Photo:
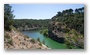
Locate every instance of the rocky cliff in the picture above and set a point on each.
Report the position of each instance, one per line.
(55, 31)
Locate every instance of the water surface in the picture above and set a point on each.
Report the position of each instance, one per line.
(49, 42)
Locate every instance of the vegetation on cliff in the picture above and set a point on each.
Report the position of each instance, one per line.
(71, 24)
(73, 19)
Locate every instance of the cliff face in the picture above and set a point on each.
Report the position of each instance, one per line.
(55, 37)
(16, 40)
(55, 32)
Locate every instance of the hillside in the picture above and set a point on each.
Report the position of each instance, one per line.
(16, 40)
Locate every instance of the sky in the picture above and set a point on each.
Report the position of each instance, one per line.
(40, 11)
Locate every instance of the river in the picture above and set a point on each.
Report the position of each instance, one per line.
(49, 42)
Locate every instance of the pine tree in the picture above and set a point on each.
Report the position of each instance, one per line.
(8, 17)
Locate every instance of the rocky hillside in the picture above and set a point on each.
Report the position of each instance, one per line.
(16, 40)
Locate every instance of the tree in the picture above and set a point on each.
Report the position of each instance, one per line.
(70, 11)
(59, 14)
(8, 17)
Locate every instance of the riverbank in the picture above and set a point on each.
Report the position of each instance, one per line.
(16, 40)
(47, 41)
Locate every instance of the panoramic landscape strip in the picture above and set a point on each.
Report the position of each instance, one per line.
(64, 30)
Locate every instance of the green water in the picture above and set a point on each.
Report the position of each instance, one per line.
(49, 42)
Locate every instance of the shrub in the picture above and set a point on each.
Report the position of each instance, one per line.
(6, 27)
(40, 44)
(10, 41)
(38, 39)
(27, 36)
(44, 32)
(6, 36)
(33, 40)
(12, 27)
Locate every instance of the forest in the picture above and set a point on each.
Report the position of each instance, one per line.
(30, 24)
(65, 27)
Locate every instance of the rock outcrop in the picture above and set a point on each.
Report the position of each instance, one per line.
(55, 32)
(57, 37)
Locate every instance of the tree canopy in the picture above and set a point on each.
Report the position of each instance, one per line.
(74, 19)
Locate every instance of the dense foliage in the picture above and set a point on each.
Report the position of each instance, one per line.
(8, 17)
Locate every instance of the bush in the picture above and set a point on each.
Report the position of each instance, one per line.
(12, 27)
(38, 39)
(6, 27)
(44, 32)
(33, 40)
(6, 36)
(10, 41)
(40, 44)
(27, 36)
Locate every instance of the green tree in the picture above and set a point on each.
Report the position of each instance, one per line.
(8, 17)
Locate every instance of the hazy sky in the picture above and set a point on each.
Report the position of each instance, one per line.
(40, 11)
